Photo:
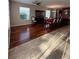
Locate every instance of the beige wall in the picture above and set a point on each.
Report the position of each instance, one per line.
(15, 19)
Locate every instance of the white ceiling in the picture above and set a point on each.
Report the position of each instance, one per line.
(48, 3)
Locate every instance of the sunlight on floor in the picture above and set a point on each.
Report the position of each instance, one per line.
(43, 47)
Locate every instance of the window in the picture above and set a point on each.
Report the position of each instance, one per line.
(24, 13)
(48, 13)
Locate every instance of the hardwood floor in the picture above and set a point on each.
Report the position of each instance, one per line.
(22, 34)
(53, 45)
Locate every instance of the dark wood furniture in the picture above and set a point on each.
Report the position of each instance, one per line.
(39, 16)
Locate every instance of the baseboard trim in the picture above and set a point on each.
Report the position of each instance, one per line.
(20, 25)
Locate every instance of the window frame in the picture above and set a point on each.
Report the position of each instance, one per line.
(46, 13)
(27, 17)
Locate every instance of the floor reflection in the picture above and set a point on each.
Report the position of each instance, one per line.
(48, 46)
(25, 35)
(22, 34)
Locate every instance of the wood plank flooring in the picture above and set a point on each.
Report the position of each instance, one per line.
(49, 46)
(23, 34)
